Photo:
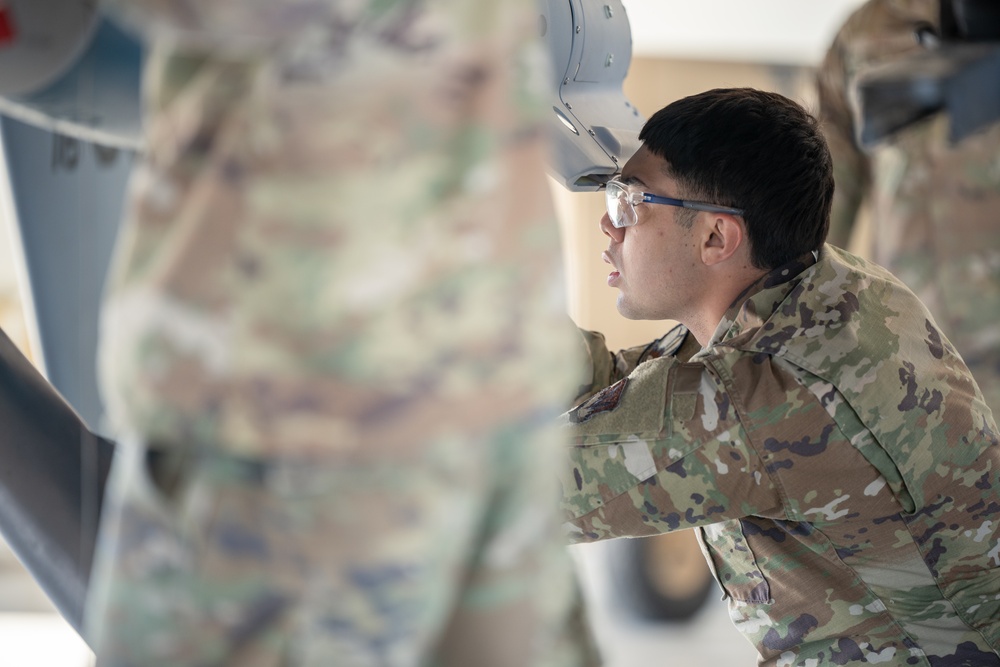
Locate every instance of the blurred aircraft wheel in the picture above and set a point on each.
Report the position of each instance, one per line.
(662, 578)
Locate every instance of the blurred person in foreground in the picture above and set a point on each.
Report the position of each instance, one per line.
(933, 202)
(807, 416)
(334, 344)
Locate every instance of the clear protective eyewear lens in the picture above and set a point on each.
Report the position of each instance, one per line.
(620, 209)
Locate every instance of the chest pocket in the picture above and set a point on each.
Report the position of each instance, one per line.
(733, 562)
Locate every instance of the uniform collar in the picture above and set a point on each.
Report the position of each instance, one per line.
(759, 300)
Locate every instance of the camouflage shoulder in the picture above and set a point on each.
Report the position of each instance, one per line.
(667, 345)
(632, 407)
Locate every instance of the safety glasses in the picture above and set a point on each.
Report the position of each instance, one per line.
(621, 201)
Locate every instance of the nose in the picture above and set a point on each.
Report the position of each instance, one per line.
(612, 232)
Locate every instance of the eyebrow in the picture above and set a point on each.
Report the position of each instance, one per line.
(635, 180)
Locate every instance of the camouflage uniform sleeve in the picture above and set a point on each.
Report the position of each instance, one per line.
(660, 450)
(850, 165)
(607, 368)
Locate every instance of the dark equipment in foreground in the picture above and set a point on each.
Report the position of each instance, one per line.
(52, 479)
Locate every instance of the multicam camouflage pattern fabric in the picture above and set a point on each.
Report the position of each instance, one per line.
(837, 457)
(933, 203)
(335, 326)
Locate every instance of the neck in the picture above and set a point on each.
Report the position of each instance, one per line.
(718, 299)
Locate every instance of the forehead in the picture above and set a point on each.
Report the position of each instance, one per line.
(647, 170)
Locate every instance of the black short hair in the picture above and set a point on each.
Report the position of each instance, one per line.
(754, 150)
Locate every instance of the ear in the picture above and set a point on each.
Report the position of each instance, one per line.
(723, 236)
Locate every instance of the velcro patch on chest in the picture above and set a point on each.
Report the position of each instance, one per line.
(605, 400)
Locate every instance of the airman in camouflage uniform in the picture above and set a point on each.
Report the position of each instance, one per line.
(827, 441)
(335, 345)
(933, 202)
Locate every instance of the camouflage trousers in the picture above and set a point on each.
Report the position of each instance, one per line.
(206, 559)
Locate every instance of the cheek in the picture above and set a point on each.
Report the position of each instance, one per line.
(650, 256)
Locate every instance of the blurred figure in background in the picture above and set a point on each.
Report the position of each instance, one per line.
(334, 344)
(933, 203)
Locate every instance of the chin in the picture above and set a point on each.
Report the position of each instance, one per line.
(632, 311)
(629, 311)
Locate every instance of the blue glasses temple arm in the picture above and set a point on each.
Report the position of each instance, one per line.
(697, 206)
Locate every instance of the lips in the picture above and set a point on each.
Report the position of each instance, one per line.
(614, 276)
